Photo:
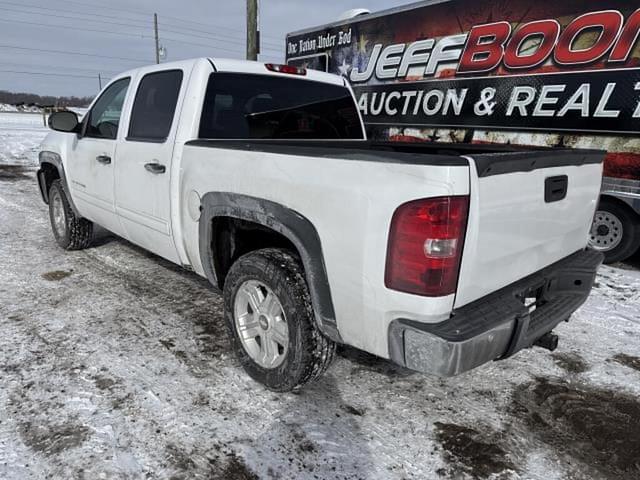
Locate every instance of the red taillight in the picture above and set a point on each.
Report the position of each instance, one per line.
(425, 246)
(291, 70)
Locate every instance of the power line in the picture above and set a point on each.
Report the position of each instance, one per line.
(146, 26)
(75, 12)
(137, 61)
(50, 74)
(176, 40)
(234, 30)
(140, 36)
(26, 12)
(47, 25)
(208, 35)
(210, 25)
(87, 4)
(67, 52)
(160, 14)
(41, 65)
(213, 47)
(219, 39)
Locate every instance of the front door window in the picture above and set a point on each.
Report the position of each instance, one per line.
(104, 117)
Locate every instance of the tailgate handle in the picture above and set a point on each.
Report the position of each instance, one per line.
(555, 188)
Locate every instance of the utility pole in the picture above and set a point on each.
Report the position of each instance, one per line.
(155, 32)
(100, 82)
(253, 36)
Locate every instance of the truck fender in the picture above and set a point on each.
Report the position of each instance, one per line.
(285, 221)
(51, 160)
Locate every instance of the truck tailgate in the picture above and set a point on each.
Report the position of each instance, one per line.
(527, 211)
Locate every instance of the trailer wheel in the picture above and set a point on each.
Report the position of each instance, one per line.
(615, 231)
(271, 322)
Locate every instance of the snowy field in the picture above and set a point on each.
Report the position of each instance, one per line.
(20, 135)
(114, 365)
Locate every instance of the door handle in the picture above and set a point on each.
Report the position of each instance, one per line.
(155, 168)
(103, 159)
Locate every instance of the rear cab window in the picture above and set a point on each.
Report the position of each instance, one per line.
(154, 107)
(248, 106)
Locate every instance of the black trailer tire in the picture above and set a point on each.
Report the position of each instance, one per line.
(615, 231)
(303, 353)
(70, 231)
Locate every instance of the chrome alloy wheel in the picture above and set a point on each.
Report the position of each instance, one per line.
(606, 231)
(261, 325)
(59, 215)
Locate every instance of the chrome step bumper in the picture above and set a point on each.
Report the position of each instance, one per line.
(498, 325)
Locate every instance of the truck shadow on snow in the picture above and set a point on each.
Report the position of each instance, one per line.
(185, 294)
(316, 433)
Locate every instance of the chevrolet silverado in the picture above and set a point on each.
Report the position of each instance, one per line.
(260, 178)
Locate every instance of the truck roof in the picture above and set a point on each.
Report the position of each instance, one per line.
(246, 66)
(237, 66)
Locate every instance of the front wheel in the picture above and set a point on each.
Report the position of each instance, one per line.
(70, 231)
(615, 231)
(271, 322)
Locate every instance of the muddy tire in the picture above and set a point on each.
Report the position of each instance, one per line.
(615, 231)
(271, 322)
(70, 231)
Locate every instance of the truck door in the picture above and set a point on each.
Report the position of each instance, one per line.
(143, 173)
(92, 158)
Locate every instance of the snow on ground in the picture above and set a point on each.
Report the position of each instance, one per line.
(20, 135)
(114, 364)
(4, 107)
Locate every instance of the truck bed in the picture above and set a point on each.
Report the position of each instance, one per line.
(490, 159)
(349, 191)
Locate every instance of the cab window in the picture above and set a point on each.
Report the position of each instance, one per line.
(104, 117)
(155, 106)
(241, 106)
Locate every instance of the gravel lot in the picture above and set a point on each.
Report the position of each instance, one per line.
(114, 364)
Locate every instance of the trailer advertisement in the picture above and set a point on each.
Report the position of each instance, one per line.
(560, 74)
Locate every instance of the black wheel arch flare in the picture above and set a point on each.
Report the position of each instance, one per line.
(285, 221)
(53, 161)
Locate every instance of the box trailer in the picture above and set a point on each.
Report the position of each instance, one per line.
(559, 74)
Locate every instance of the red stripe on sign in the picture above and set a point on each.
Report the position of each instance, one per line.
(407, 139)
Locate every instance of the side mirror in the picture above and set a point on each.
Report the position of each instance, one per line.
(65, 121)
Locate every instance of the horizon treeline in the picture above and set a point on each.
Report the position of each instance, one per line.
(14, 98)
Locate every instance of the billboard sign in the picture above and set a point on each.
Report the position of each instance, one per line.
(519, 71)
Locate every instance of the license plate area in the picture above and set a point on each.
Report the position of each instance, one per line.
(534, 297)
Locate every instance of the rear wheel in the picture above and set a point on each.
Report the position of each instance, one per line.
(271, 322)
(70, 231)
(615, 231)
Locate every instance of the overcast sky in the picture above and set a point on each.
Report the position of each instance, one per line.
(33, 33)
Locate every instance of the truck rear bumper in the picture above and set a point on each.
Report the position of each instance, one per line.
(498, 325)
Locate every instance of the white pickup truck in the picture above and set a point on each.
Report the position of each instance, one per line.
(260, 178)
